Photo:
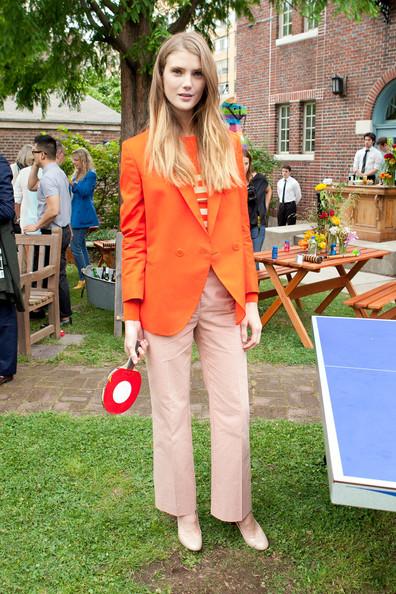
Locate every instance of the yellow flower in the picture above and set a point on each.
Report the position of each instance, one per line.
(335, 220)
(322, 245)
(320, 187)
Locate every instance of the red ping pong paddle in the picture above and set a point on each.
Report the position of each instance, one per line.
(122, 388)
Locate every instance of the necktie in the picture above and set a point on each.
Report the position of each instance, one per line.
(364, 160)
(284, 190)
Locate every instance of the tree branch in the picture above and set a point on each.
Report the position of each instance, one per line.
(106, 31)
(101, 16)
(92, 21)
(111, 6)
(184, 18)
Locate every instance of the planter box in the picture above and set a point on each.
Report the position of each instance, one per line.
(100, 293)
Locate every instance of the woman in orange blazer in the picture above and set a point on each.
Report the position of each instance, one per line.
(188, 274)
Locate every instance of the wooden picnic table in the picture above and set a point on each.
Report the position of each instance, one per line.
(295, 290)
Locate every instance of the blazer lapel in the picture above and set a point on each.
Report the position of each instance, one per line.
(213, 209)
(213, 206)
(190, 197)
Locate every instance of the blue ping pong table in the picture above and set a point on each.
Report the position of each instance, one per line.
(357, 372)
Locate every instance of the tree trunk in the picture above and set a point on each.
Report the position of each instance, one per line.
(135, 86)
(135, 82)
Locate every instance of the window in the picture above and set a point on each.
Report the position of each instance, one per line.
(310, 23)
(221, 44)
(283, 128)
(309, 127)
(285, 20)
(222, 68)
(391, 109)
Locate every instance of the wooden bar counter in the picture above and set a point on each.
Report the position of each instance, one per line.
(374, 213)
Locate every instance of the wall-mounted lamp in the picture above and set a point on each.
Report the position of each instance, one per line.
(338, 85)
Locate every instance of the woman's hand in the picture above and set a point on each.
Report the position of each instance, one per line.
(252, 321)
(134, 333)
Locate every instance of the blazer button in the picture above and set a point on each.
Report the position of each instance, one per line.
(235, 246)
(179, 253)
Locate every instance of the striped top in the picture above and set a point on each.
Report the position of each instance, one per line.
(201, 192)
(202, 197)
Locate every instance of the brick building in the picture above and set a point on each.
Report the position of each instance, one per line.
(95, 121)
(225, 56)
(285, 67)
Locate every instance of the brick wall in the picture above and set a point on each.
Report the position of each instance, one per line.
(269, 75)
(11, 139)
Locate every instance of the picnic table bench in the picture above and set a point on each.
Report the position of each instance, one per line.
(375, 300)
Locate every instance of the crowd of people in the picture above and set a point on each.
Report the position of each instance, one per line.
(368, 163)
(43, 197)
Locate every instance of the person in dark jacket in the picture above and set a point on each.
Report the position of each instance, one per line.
(83, 210)
(10, 292)
(259, 198)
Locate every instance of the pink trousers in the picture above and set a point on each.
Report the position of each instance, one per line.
(224, 367)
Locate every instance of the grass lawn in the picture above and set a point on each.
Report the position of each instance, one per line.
(279, 343)
(77, 516)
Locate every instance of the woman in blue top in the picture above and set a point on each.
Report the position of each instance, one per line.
(83, 214)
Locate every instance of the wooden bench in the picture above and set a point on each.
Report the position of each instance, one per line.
(40, 285)
(374, 301)
(106, 251)
(281, 271)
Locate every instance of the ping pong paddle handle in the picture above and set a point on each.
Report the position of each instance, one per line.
(130, 364)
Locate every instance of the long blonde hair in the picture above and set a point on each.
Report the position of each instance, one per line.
(85, 158)
(165, 151)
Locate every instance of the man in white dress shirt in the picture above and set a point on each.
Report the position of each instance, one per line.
(289, 194)
(368, 160)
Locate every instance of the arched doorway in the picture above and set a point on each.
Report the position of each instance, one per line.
(384, 113)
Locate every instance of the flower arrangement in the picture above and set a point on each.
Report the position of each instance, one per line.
(386, 178)
(388, 175)
(345, 236)
(313, 241)
(328, 226)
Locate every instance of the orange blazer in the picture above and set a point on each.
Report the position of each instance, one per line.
(167, 252)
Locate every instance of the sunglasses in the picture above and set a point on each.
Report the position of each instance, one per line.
(39, 152)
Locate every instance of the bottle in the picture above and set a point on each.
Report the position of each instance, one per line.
(274, 252)
(113, 274)
(287, 245)
(351, 177)
(105, 273)
(312, 246)
(95, 272)
(1, 265)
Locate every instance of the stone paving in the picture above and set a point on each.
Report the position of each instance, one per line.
(276, 391)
